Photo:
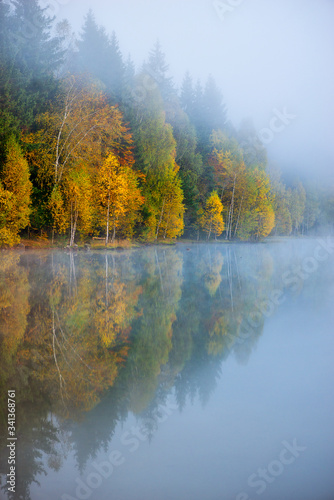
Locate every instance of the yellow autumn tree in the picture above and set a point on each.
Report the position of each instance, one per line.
(116, 306)
(8, 237)
(118, 196)
(80, 127)
(78, 201)
(258, 217)
(15, 192)
(229, 171)
(210, 218)
(14, 309)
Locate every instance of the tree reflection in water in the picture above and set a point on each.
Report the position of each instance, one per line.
(87, 338)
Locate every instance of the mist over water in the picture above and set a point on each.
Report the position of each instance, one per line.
(200, 371)
(189, 362)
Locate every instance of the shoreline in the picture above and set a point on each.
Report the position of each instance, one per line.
(121, 245)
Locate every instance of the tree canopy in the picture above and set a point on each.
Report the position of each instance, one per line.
(92, 146)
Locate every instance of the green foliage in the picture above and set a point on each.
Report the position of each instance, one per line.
(181, 146)
(99, 55)
(29, 55)
(210, 218)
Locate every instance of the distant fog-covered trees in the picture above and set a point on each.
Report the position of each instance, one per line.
(91, 146)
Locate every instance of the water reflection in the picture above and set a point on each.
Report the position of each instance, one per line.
(87, 338)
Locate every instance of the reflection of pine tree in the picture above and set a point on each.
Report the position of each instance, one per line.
(37, 436)
(152, 333)
(186, 320)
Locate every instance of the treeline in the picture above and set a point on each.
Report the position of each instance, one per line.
(92, 147)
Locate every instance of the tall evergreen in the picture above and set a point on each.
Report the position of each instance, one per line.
(116, 67)
(93, 46)
(100, 56)
(29, 56)
(187, 95)
(157, 68)
(38, 53)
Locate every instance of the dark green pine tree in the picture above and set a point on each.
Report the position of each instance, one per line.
(197, 112)
(9, 121)
(205, 109)
(191, 168)
(128, 83)
(38, 53)
(188, 159)
(29, 55)
(100, 56)
(255, 153)
(187, 95)
(157, 68)
(93, 46)
(214, 109)
(116, 67)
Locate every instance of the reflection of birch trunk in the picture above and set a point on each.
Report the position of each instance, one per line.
(107, 272)
(62, 382)
(72, 273)
(230, 278)
(108, 214)
(66, 345)
(113, 267)
(237, 268)
(159, 269)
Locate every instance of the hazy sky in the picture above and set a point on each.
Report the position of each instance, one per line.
(269, 57)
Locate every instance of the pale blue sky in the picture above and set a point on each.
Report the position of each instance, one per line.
(265, 55)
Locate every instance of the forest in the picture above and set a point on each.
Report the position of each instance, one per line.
(93, 147)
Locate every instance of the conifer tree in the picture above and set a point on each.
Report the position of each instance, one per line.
(157, 68)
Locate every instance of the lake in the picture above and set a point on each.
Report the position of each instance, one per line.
(169, 372)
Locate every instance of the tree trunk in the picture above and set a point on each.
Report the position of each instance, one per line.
(160, 219)
(107, 231)
(74, 219)
(209, 233)
(238, 219)
(232, 208)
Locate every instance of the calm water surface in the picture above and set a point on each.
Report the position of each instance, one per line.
(170, 373)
